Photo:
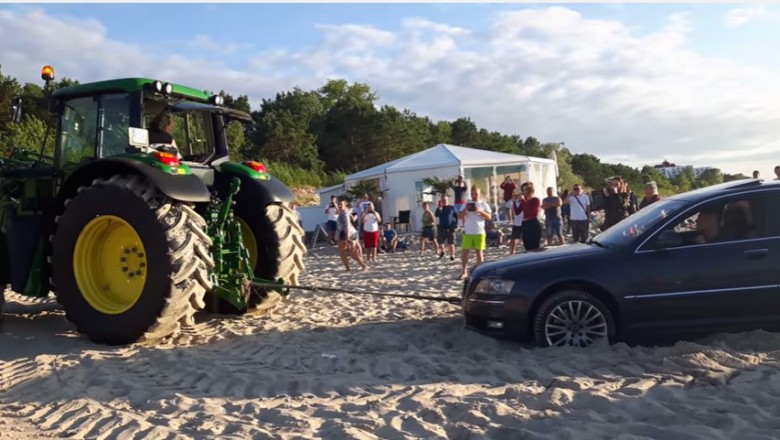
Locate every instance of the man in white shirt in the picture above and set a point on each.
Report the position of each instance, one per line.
(579, 220)
(332, 211)
(473, 215)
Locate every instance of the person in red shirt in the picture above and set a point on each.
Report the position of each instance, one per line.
(508, 186)
(529, 209)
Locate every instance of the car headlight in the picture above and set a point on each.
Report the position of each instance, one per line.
(501, 287)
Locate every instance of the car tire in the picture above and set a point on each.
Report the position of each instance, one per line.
(573, 318)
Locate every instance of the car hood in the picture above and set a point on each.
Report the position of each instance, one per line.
(531, 259)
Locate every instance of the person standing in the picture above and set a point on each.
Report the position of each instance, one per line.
(473, 215)
(428, 221)
(777, 172)
(552, 217)
(448, 222)
(371, 221)
(517, 221)
(529, 209)
(332, 211)
(459, 187)
(616, 202)
(348, 237)
(651, 194)
(508, 186)
(579, 205)
(565, 212)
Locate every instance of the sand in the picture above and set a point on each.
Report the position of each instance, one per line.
(341, 366)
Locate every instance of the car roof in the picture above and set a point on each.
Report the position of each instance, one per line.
(708, 192)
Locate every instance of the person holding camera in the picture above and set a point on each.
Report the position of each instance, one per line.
(459, 187)
(616, 202)
(508, 186)
(332, 211)
(371, 221)
(473, 216)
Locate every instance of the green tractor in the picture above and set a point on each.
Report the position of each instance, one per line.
(140, 218)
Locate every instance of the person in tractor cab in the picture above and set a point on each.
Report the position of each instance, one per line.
(160, 130)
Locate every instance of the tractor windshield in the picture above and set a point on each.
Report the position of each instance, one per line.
(190, 131)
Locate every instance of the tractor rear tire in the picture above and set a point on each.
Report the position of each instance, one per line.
(128, 263)
(277, 247)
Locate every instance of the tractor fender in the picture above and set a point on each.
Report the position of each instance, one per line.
(185, 188)
(261, 192)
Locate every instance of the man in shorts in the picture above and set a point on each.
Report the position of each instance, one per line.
(448, 222)
(473, 215)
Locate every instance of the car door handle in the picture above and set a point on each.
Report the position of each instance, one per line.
(756, 253)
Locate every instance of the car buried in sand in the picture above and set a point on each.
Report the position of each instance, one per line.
(700, 262)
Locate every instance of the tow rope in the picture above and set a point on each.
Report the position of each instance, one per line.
(279, 286)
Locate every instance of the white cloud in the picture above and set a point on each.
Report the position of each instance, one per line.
(739, 16)
(551, 73)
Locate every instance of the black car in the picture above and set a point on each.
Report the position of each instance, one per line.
(701, 262)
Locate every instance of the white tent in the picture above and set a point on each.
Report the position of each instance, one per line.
(402, 179)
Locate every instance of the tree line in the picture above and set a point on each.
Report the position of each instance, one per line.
(316, 137)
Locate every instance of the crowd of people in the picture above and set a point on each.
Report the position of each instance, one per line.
(569, 212)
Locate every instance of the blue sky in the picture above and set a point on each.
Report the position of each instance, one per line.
(636, 83)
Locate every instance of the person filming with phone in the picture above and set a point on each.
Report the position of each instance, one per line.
(473, 216)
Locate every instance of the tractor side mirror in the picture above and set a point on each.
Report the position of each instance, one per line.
(16, 110)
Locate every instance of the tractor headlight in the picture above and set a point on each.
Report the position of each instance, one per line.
(168, 88)
(158, 86)
(217, 99)
(494, 286)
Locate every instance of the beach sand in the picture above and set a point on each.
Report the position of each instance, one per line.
(324, 365)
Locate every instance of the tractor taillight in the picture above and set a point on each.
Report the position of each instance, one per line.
(169, 159)
(47, 73)
(257, 166)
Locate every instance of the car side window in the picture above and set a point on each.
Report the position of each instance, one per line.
(724, 220)
(773, 214)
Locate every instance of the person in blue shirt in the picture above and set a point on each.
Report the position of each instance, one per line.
(448, 222)
(389, 238)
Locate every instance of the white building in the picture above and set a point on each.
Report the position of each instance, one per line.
(671, 170)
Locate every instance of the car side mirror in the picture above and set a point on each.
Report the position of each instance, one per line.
(668, 239)
(16, 110)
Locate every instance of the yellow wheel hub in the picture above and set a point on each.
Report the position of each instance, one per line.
(250, 243)
(110, 264)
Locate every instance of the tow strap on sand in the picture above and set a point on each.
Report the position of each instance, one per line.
(457, 300)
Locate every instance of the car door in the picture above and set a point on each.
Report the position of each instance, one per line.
(730, 281)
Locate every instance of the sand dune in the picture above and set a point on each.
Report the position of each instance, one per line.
(325, 365)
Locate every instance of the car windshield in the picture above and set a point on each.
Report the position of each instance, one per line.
(636, 225)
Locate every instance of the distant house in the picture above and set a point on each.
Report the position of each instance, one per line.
(671, 170)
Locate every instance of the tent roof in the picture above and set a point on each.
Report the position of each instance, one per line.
(444, 155)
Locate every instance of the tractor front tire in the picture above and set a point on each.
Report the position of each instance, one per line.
(276, 245)
(128, 263)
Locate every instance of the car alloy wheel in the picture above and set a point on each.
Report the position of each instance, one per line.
(573, 318)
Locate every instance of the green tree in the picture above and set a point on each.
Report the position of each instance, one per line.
(283, 129)
(347, 127)
(590, 168)
(440, 186)
(464, 133)
(710, 176)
